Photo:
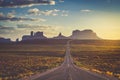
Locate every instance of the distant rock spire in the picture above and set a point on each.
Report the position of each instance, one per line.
(17, 40)
(60, 34)
(32, 33)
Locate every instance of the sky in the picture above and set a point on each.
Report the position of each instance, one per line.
(19, 17)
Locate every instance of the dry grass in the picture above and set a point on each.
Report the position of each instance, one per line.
(99, 58)
(18, 61)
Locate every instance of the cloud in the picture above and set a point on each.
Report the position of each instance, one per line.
(50, 12)
(12, 17)
(41, 20)
(9, 15)
(64, 13)
(33, 11)
(33, 27)
(38, 27)
(61, 0)
(6, 30)
(36, 11)
(53, 12)
(25, 3)
(86, 10)
(52, 2)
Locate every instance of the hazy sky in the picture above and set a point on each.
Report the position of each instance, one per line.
(54, 16)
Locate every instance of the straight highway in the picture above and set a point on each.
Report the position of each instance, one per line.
(69, 71)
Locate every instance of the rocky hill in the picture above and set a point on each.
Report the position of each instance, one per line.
(85, 34)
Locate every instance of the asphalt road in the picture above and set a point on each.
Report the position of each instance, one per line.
(68, 71)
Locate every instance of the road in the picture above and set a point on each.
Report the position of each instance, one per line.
(68, 71)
